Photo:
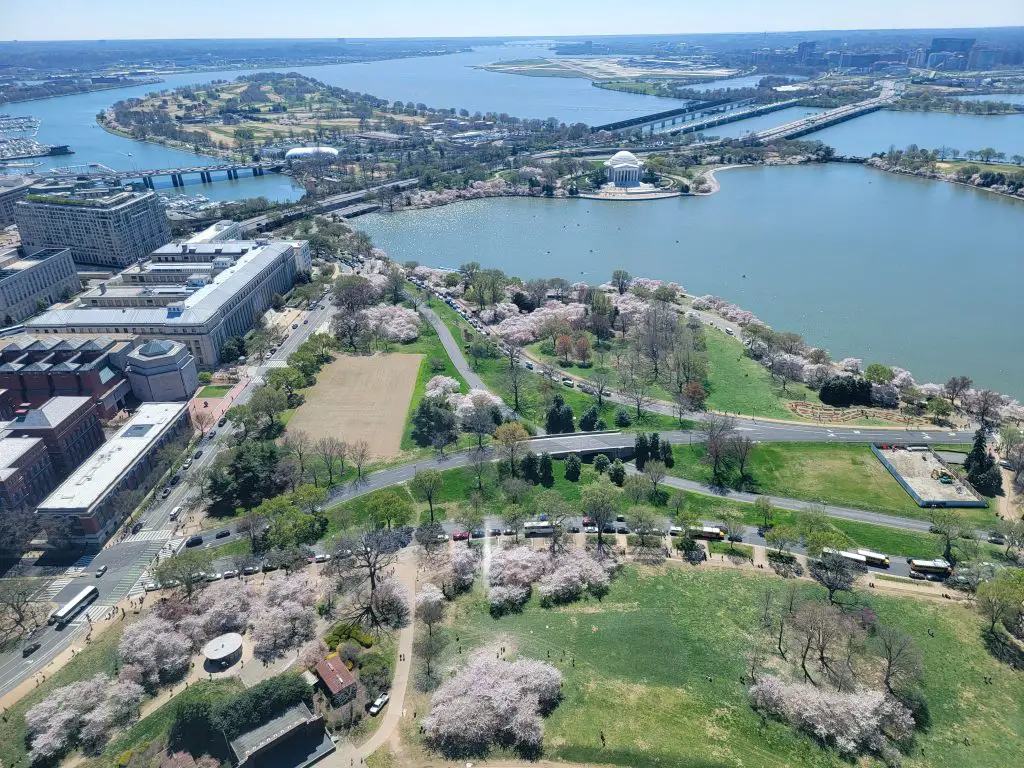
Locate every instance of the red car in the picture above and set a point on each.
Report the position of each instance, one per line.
(460, 536)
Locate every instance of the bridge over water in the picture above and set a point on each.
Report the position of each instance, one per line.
(177, 175)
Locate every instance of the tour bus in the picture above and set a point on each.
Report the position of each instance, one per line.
(62, 616)
(874, 558)
(538, 528)
(853, 557)
(706, 532)
(938, 566)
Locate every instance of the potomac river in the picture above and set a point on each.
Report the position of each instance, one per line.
(918, 273)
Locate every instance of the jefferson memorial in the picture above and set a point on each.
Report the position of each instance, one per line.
(625, 169)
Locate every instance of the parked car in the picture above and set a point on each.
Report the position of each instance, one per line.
(137, 527)
(573, 529)
(477, 533)
(31, 648)
(165, 492)
(508, 532)
(997, 538)
(567, 381)
(294, 326)
(379, 704)
(494, 532)
(460, 536)
(230, 574)
(269, 567)
(211, 434)
(150, 586)
(100, 571)
(197, 454)
(222, 534)
(187, 463)
(176, 479)
(250, 570)
(222, 421)
(194, 541)
(321, 558)
(608, 528)
(590, 529)
(214, 576)
(622, 529)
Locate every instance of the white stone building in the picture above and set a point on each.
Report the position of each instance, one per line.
(624, 169)
(30, 278)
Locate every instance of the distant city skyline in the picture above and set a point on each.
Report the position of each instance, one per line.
(131, 19)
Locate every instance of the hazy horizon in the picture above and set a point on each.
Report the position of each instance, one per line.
(62, 20)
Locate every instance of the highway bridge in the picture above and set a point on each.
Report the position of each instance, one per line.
(98, 172)
(344, 202)
(813, 123)
(662, 121)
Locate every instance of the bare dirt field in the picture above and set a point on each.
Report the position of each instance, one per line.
(361, 398)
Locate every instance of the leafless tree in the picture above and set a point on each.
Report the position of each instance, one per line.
(298, 444)
(602, 382)
(984, 405)
(364, 558)
(331, 450)
(655, 472)
(359, 452)
(956, 387)
(287, 473)
(717, 431)
(19, 614)
(514, 353)
(481, 468)
(740, 448)
(515, 381)
(835, 573)
(634, 384)
(653, 334)
(202, 418)
(644, 522)
(902, 657)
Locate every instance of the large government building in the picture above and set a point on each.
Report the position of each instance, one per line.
(110, 229)
(196, 293)
(624, 169)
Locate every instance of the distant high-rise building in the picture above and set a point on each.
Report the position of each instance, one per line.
(805, 51)
(113, 230)
(951, 44)
(982, 58)
(12, 189)
(31, 280)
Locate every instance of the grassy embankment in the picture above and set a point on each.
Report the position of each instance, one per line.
(846, 474)
(658, 666)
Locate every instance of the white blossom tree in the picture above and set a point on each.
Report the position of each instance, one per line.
(430, 606)
(161, 652)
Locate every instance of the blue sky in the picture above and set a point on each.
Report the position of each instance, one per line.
(112, 19)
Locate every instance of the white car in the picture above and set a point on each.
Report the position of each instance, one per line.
(590, 529)
(214, 576)
(379, 704)
(150, 586)
(322, 558)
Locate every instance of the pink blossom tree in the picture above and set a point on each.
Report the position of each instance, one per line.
(430, 606)
(161, 652)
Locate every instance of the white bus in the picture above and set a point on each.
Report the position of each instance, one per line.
(938, 565)
(874, 558)
(706, 532)
(62, 616)
(853, 557)
(538, 528)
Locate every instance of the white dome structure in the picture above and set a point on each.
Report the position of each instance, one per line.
(300, 153)
(624, 169)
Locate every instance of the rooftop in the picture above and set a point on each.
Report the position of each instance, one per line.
(11, 450)
(104, 201)
(623, 159)
(335, 675)
(223, 646)
(197, 307)
(277, 728)
(17, 259)
(88, 484)
(50, 414)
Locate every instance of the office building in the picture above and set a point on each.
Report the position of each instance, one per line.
(100, 227)
(26, 473)
(198, 294)
(35, 368)
(30, 281)
(88, 498)
(69, 427)
(162, 371)
(12, 189)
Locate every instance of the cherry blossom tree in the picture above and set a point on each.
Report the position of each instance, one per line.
(82, 713)
(161, 652)
(853, 723)
(462, 565)
(492, 702)
(851, 365)
(430, 605)
(393, 322)
(575, 572)
(285, 619)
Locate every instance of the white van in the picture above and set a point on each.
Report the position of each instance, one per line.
(175, 513)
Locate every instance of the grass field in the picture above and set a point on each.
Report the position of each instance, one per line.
(214, 390)
(843, 474)
(657, 666)
(98, 656)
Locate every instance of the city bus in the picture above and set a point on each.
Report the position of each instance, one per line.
(63, 615)
(538, 528)
(853, 557)
(938, 566)
(874, 558)
(706, 532)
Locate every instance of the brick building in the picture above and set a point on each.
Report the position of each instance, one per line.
(26, 473)
(69, 426)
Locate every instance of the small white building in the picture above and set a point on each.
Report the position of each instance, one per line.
(624, 169)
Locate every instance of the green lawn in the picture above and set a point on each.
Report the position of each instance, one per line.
(98, 656)
(846, 474)
(737, 384)
(214, 390)
(657, 667)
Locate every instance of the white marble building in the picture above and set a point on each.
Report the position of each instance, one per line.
(624, 169)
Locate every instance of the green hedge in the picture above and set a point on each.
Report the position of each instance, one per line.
(258, 704)
(343, 631)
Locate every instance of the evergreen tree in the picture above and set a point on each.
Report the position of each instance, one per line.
(601, 463)
(654, 451)
(560, 418)
(546, 470)
(667, 457)
(642, 449)
(529, 467)
(978, 460)
(573, 465)
(617, 472)
(588, 421)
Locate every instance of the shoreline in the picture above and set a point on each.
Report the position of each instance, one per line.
(120, 132)
(945, 179)
(106, 87)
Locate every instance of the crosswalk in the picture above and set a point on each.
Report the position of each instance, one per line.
(50, 590)
(148, 536)
(79, 565)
